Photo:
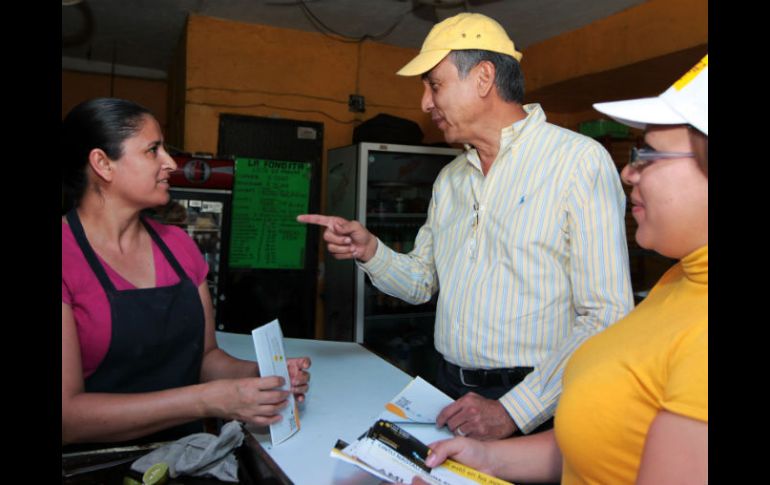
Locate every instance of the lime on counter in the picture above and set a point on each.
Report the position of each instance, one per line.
(156, 474)
(131, 481)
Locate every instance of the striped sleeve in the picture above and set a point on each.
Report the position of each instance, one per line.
(410, 277)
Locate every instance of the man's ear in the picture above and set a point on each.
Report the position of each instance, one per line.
(101, 164)
(485, 78)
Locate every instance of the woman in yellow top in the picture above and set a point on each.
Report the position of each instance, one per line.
(635, 402)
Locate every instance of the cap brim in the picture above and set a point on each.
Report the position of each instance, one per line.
(638, 113)
(423, 62)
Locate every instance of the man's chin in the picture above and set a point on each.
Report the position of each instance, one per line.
(449, 138)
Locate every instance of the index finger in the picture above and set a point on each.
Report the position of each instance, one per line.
(300, 362)
(270, 382)
(317, 219)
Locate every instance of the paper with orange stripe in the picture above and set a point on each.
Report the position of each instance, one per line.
(418, 402)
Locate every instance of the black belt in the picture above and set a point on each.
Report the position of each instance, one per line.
(488, 377)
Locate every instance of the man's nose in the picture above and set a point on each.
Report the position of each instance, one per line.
(427, 100)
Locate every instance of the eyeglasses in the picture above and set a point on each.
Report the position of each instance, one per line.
(642, 157)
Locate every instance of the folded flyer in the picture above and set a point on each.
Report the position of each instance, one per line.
(268, 343)
(418, 402)
(393, 455)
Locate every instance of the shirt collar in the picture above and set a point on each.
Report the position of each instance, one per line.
(509, 134)
(696, 265)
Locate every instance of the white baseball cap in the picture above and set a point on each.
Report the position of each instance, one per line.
(685, 102)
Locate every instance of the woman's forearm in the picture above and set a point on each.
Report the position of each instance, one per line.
(217, 364)
(533, 458)
(89, 417)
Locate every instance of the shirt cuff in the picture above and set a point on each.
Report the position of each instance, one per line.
(525, 408)
(379, 263)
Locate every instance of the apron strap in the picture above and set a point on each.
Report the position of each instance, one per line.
(80, 236)
(165, 250)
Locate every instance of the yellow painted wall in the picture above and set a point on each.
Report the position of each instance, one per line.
(260, 70)
(635, 53)
(77, 87)
(652, 29)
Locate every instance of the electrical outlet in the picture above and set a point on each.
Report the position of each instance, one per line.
(356, 103)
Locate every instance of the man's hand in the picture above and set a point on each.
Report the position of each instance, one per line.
(477, 417)
(300, 378)
(344, 239)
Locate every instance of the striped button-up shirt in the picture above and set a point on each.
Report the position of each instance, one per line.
(529, 260)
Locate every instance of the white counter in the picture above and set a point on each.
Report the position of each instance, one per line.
(349, 387)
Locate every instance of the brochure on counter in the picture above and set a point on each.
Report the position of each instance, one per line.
(268, 343)
(419, 402)
(391, 454)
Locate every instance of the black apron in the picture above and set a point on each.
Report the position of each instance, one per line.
(157, 334)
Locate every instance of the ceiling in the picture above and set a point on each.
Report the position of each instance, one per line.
(138, 37)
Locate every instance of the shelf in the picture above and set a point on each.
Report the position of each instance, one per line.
(202, 229)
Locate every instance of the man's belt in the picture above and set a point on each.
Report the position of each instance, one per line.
(489, 377)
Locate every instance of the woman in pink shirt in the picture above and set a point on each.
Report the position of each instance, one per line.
(139, 354)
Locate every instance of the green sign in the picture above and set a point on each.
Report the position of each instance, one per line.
(267, 197)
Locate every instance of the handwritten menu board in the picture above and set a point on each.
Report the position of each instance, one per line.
(267, 197)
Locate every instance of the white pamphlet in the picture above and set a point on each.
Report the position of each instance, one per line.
(418, 402)
(268, 343)
(392, 454)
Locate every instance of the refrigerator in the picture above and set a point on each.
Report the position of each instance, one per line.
(201, 204)
(386, 187)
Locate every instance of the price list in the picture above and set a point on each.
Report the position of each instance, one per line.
(267, 197)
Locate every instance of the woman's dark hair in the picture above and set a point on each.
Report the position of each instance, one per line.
(103, 123)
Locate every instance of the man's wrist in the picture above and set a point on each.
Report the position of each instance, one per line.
(369, 251)
(513, 423)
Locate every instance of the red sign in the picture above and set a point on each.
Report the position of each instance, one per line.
(208, 173)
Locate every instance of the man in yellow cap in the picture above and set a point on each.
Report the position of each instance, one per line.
(524, 241)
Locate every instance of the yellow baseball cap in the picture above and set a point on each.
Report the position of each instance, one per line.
(461, 32)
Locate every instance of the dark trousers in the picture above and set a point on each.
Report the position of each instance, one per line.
(448, 380)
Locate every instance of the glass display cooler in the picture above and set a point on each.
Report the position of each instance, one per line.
(386, 187)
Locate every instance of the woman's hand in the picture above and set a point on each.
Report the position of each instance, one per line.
(467, 451)
(252, 400)
(300, 378)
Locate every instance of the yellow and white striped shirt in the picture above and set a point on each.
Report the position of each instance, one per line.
(529, 261)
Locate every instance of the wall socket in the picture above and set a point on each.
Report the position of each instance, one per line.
(356, 103)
